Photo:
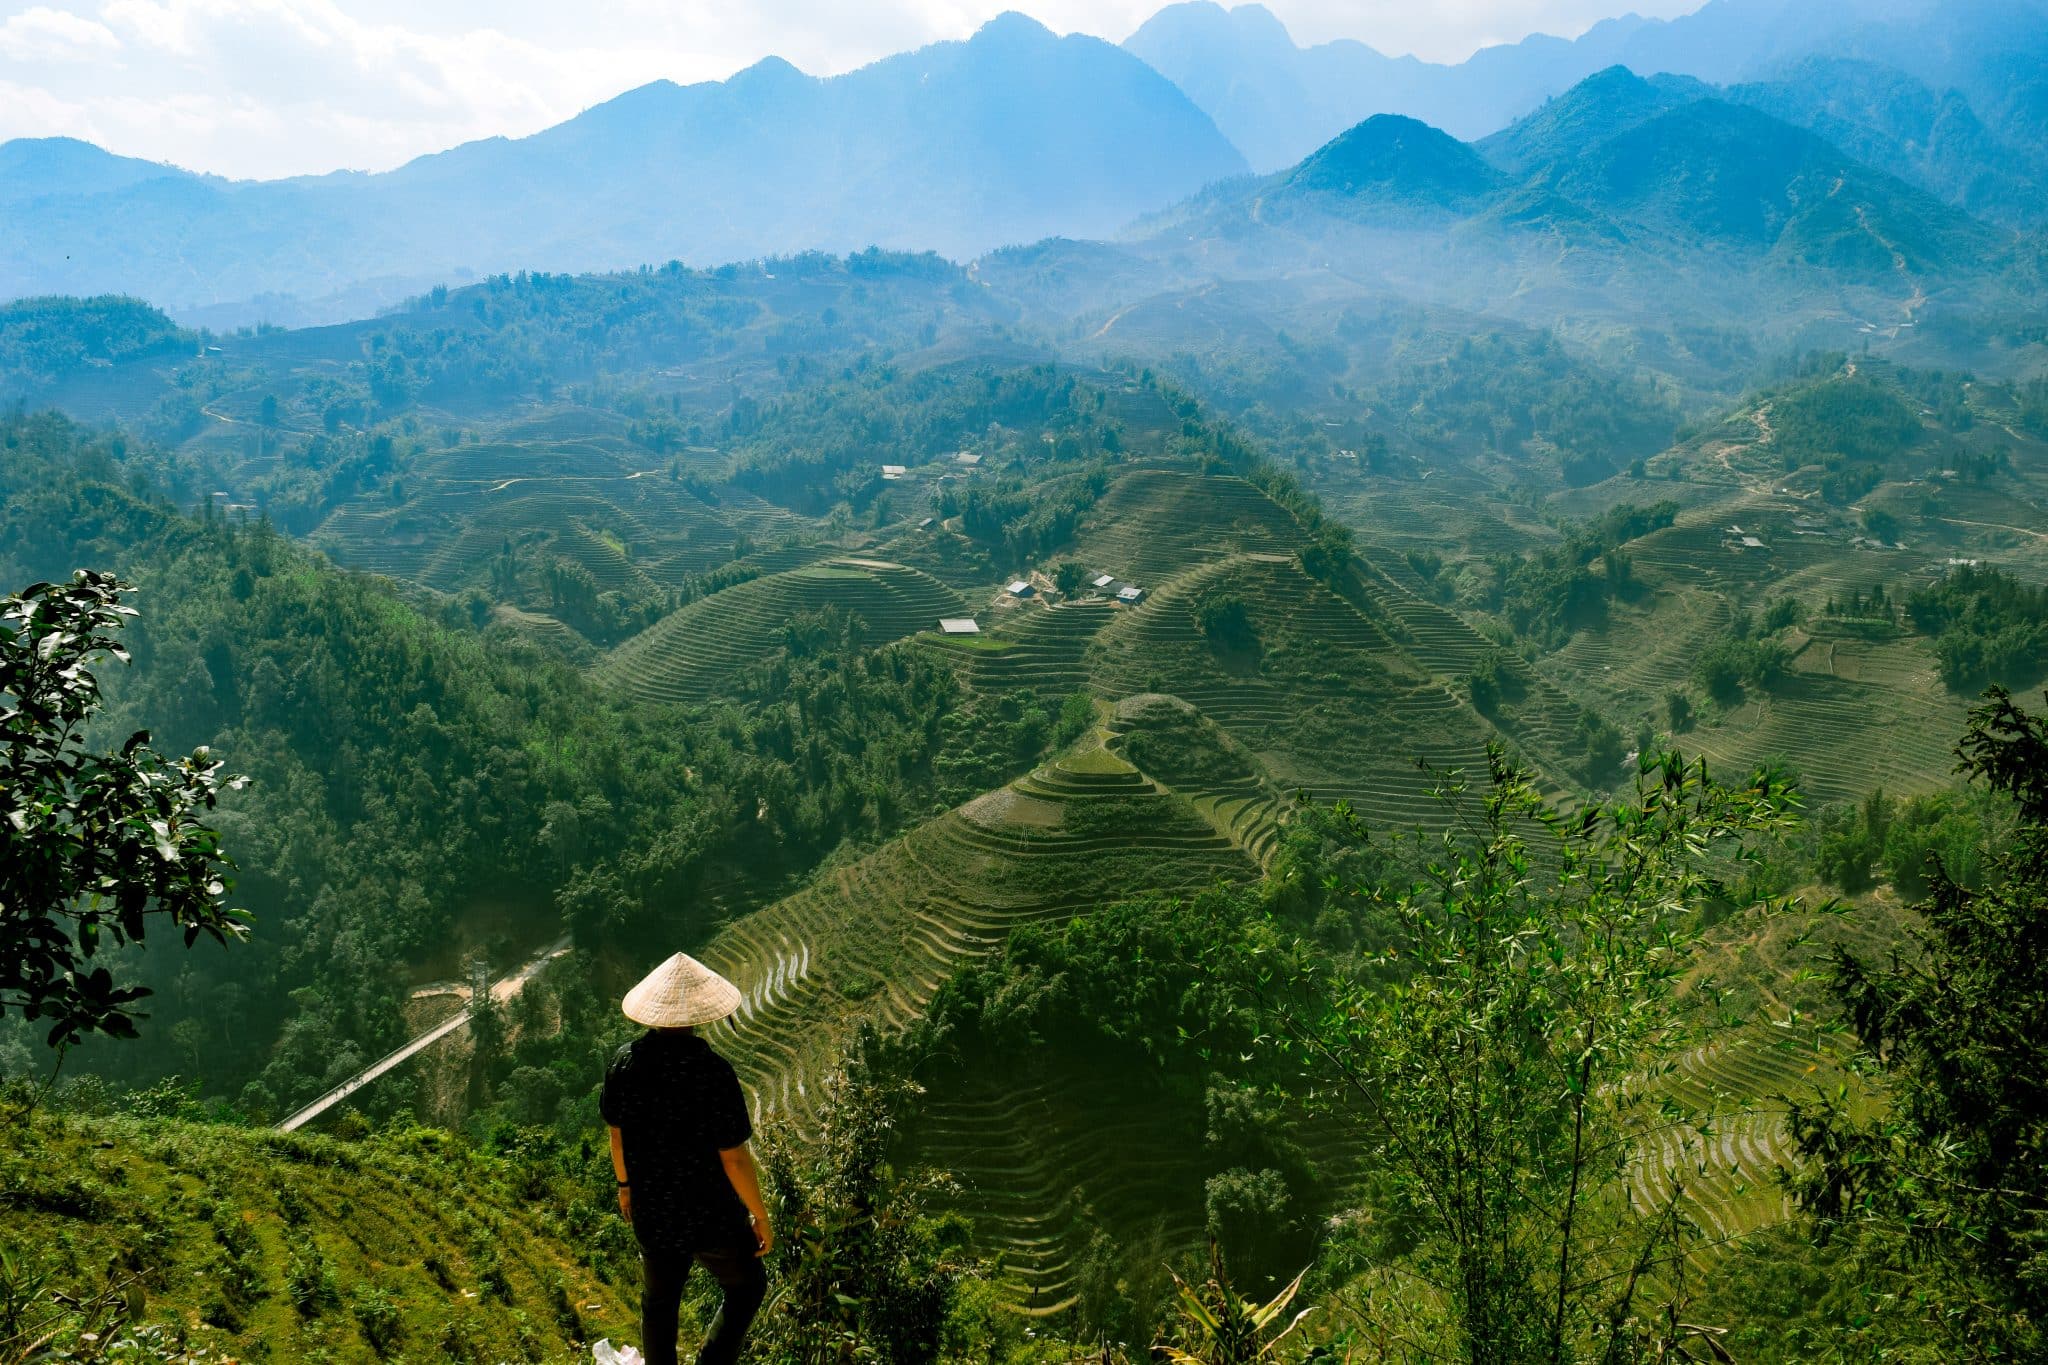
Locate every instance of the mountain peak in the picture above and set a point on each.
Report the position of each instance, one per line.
(1392, 158)
(1012, 28)
(770, 72)
(1204, 23)
(31, 166)
(1604, 105)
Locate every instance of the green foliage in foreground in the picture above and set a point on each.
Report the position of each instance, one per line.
(861, 1267)
(261, 1246)
(91, 844)
(1499, 1057)
(1944, 1197)
(147, 1235)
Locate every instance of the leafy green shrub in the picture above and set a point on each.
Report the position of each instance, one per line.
(863, 1270)
(376, 1312)
(1226, 621)
(309, 1282)
(1728, 666)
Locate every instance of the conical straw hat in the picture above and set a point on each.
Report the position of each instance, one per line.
(681, 993)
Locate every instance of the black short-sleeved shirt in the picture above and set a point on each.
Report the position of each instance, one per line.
(677, 1105)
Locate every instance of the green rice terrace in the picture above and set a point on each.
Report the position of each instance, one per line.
(872, 940)
(690, 653)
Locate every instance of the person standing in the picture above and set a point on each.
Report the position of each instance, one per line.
(687, 1181)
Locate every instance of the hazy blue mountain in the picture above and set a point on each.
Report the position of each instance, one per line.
(33, 168)
(1277, 101)
(1727, 175)
(1393, 162)
(1621, 193)
(1884, 117)
(1602, 106)
(1011, 136)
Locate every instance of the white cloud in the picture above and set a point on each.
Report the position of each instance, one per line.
(43, 34)
(280, 87)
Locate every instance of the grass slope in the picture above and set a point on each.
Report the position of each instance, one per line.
(688, 654)
(268, 1246)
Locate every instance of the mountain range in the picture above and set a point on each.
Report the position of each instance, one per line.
(1017, 135)
(1013, 135)
(1278, 101)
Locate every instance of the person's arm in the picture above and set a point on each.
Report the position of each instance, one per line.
(746, 1183)
(619, 1172)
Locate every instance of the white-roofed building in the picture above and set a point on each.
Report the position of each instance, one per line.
(1019, 589)
(1131, 595)
(958, 625)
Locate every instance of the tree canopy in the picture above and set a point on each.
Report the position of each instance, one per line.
(93, 844)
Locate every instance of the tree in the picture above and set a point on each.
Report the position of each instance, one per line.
(1226, 621)
(1070, 578)
(1499, 1057)
(93, 846)
(865, 1271)
(1946, 1190)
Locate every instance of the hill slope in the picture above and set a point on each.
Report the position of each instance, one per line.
(261, 1245)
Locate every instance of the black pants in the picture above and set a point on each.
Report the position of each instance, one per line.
(745, 1283)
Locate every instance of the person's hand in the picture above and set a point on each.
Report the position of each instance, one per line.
(626, 1203)
(764, 1238)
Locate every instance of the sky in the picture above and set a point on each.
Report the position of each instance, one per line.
(266, 88)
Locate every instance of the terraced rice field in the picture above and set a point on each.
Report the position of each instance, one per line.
(1729, 1170)
(1626, 667)
(1226, 785)
(1037, 647)
(1329, 705)
(1153, 523)
(875, 940)
(571, 477)
(690, 654)
(1043, 1162)
(1845, 736)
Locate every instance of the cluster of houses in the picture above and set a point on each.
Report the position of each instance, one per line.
(1129, 593)
(966, 459)
(1107, 585)
(1022, 589)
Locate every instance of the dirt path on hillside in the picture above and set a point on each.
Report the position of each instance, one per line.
(503, 990)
